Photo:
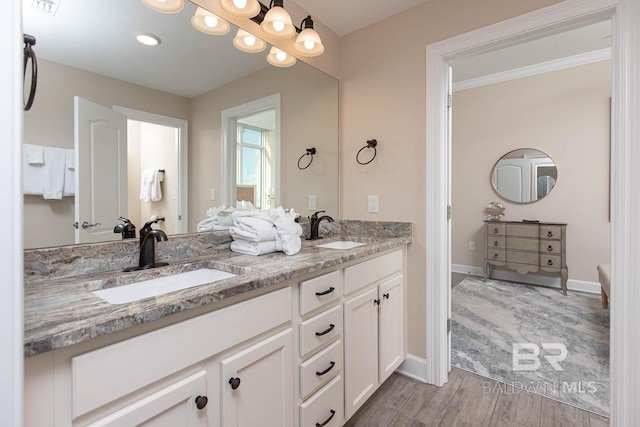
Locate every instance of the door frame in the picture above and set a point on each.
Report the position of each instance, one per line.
(625, 182)
(229, 120)
(182, 154)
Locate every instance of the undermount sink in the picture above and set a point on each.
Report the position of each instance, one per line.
(341, 244)
(161, 285)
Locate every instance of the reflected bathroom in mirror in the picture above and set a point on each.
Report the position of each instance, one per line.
(524, 175)
(180, 89)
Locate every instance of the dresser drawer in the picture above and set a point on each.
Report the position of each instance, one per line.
(496, 242)
(550, 262)
(494, 229)
(550, 247)
(320, 329)
(495, 255)
(319, 291)
(531, 258)
(324, 408)
(522, 244)
(550, 232)
(523, 230)
(318, 370)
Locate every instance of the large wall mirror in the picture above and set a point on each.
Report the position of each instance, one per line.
(524, 175)
(172, 97)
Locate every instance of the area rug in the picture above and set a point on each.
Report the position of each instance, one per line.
(533, 338)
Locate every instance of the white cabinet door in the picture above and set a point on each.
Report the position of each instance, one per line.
(257, 384)
(171, 406)
(391, 326)
(361, 349)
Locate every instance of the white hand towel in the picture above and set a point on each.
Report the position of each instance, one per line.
(288, 235)
(69, 182)
(31, 177)
(53, 173)
(253, 248)
(156, 190)
(70, 159)
(252, 229)
(34, 154)
(145, 185)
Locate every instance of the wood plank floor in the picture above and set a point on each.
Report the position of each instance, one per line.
(466, 399)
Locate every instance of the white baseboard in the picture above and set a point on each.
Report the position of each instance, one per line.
(414, 367)
(534, 279)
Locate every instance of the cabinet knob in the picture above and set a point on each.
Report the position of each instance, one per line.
(235, 383)
(327, 421)
(386, 296)
(550, 248)
(495, 256)
(550, 262)
(376, 301)
(549, 233)
(201, 402)
(495, 243)
(328, 291)
(495, 231)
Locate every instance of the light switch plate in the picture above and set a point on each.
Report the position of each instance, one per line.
(312, 203)
(212, 194)
(372, 204)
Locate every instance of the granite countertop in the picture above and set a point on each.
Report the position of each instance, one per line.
(63, 311)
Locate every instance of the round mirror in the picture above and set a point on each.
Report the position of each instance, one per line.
(524, 175)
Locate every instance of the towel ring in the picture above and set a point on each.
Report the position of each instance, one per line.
(29, 54)
(371, 143)
(310, 152)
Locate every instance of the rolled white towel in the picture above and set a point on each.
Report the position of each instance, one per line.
(253, 248)
(288, 235)
(252, 229)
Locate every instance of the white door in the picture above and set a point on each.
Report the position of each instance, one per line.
(100, 171)
(257, 384)
(511, 179)
(390, 327)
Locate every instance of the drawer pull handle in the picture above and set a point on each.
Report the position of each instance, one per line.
(495, 256)
(326, 370)
(495, 231)
(201, 402)
(376, 301)
(496, 243)
(326, 331)
(549, 233)
(550, 262)
(328, 291)
(235, 383)
(328, 420)
(550, 248)
(386, 296)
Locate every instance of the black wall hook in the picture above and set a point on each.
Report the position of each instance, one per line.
(310, 152)
(371, 143)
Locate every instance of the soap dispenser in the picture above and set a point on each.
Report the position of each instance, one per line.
(127, 229)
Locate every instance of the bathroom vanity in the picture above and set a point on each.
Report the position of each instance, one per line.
(288, 341)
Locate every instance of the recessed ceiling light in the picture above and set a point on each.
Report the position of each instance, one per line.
(148, 39)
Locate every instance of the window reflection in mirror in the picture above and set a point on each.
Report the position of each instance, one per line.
(524, 175)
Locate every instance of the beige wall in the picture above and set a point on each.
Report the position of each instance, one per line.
(309, 115)
(383, 89)
(562, 113)
(50, 122)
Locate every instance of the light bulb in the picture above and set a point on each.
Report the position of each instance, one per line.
(281, 56)
(309, 44)
(249, 40)
(240, 4)
(278, 25)
(211, 21)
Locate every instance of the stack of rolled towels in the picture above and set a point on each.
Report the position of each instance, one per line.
(259, 232)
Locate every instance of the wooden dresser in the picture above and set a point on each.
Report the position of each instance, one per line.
(527, 247)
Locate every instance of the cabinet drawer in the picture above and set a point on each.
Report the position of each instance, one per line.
(550, 232)
(108, 373)
(495, 255)
(550, 247)
(317, 371)
(320, 329)
(324, 408)
(523, 257)
(551, 262)
(496, 242)
(368, 272)
(319, 291)
(494, 229)
(522, 230)
(521, 244)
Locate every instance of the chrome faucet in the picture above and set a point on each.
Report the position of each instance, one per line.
(314, 223)
(148, 237)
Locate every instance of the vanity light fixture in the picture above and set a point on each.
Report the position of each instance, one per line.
(241, 8)
(308, 42)
(277, 21)
(280, 58)
(164, 6)
(247, 42)
(148, 39)
(208, 23)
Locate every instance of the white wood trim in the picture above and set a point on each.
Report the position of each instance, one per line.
(625, 181)
(11, 258)
(182, 154)
(414, 367)
(532, 70)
